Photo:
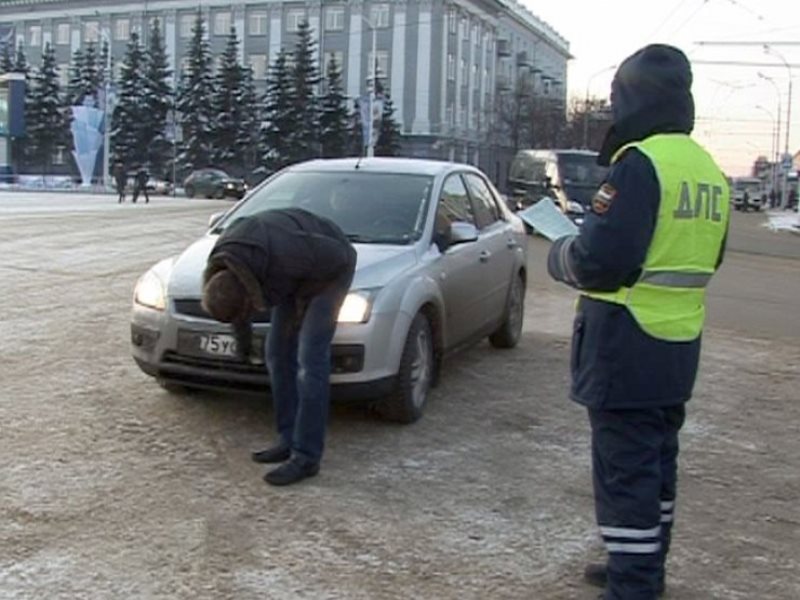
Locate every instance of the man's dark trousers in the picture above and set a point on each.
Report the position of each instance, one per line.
(634, 468)
(299, 361)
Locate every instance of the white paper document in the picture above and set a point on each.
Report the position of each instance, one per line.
(547, 219)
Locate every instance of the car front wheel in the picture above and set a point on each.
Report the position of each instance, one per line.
(508, 334)
(415, 377)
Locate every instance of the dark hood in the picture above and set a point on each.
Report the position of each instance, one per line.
(650, 94)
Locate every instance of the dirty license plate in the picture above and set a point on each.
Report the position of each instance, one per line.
(217, 344)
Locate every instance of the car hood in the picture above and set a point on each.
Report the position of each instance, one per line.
(377, 265)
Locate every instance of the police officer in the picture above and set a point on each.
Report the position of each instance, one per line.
(642, 260)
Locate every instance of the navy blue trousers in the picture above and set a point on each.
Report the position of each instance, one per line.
(634, 469)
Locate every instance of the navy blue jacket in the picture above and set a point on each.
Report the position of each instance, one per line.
(614, 363)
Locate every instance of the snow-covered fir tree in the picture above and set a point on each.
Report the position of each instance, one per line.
(355, 136)
(21, 61)
(226, 107)
(279, 125)
(193, 106)
(7, 58)
(389, 136)
(46, 126)
(128, 142)
(247, 143)
(333, 119)
(158, 100)
(76, 89)
(305, 107)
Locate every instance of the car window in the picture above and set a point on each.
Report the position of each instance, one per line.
(453, 205)
(486, 209)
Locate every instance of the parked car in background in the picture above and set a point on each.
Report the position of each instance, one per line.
(159, 186)
(569, 177)
(441, 263)
(214, 183)
(748, 193)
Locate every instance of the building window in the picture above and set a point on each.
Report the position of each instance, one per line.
(258, 23)
(452, 20)
(58, 156)
(62, 34)
(462, 116)
(379, 16)
(334, 18)
(63, 75)
(122, 30)
(382, 65)
(475, 81)
(463, 72)
(258, 62)
(187, 25)
(222, 23)
(448, 116)
(91, 32)
(293, 20)
(336, 56)
(451, 67)
(35, 35)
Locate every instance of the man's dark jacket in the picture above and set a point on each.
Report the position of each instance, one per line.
(291, 254)
(615, 364)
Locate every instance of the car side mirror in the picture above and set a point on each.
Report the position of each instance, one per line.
(462, 233)
(215, 218)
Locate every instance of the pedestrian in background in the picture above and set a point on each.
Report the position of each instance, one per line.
(142, 176)
(120, 180)
(300, 265)
(642, 259)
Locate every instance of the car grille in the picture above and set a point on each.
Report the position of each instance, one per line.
(221, 367)
(191, 307)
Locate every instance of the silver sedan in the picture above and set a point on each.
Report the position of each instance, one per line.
(441, 264)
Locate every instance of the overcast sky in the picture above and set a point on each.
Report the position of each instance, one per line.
(729, 122)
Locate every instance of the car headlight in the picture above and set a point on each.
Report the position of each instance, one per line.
(575, 207)
(150, 292)
(357, 307)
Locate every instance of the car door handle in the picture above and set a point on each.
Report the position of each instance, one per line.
(511, 243)
(485, 256)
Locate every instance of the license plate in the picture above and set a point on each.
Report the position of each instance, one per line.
(218, 344)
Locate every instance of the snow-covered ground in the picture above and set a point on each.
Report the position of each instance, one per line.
(781, 220)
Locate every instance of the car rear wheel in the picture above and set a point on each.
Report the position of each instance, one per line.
(508, 334)
(189, 191)
(415, 377)
(219, 194)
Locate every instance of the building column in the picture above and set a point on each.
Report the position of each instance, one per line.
(459, 83)
(239, 23)
(421, 124)
(274, 33)
(444, 124)
(399, 60)
(313, 9)
(76, 35)
(354, 45)
(170, 44)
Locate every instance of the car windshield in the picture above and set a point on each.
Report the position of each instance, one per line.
(380, 208)
(217, 174)
(581, 170)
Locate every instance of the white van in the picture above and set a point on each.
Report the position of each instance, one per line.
(748, 193)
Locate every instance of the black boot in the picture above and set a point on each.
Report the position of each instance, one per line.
(596, 574)
(291, 471)
(274, 454)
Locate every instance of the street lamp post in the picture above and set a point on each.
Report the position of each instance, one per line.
(372, 91)
(776, 157)
(770, 50)
(775, 143)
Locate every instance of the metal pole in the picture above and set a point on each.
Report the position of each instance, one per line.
(785, 188)
(776, 157)
(371, 147)
(107, 118)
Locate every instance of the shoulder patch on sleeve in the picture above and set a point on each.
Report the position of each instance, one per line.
(603, 198)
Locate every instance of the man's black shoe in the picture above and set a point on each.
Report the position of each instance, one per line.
(290, 472)
(275, 454)
(596, 574)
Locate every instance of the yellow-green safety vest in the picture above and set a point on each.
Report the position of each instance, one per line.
(668, 300)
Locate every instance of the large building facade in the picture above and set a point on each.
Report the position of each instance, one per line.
(446, 63)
